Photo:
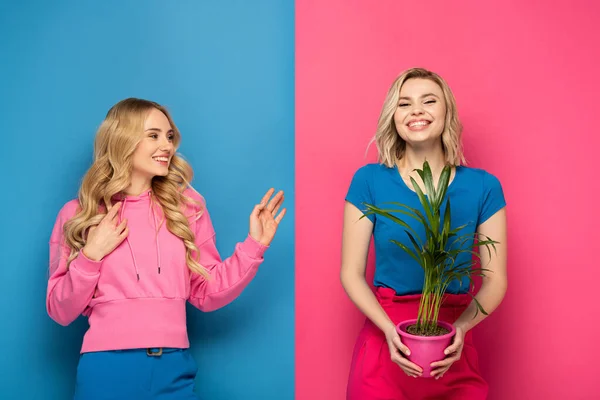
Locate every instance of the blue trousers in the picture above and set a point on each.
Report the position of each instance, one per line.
(136, 375)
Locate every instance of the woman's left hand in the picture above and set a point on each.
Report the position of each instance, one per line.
(453, 353)
(263, 220)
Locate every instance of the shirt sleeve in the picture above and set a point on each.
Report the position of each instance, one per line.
(360, 190)
(492, 199)
(69, 291)
(229, 277)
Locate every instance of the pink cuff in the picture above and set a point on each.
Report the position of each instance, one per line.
(253, 248)
(85, 265)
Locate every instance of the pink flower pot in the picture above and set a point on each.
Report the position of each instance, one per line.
(425, 349)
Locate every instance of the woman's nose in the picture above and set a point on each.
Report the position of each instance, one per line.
(417, 110)
(166, 144)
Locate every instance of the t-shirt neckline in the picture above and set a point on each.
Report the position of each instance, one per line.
(397, 175)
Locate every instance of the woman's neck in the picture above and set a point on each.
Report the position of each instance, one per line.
(414, 159)
(137, 187)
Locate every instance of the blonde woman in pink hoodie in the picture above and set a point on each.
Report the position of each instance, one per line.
(133, 248)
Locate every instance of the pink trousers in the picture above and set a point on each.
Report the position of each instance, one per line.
(373, 375)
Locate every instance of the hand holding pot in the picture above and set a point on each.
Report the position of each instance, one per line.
(453, 353)
(397, 349)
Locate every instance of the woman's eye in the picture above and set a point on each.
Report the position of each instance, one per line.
(403, 105)
(430, 102)
(153, 136)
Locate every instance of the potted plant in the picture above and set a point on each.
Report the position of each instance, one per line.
(426, 336)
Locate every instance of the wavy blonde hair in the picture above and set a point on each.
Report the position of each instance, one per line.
(391, 147)
(110, 174)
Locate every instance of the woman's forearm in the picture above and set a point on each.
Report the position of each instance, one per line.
(362, 296)
(490, 296)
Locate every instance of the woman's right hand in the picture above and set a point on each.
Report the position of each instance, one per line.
(103, 238)
(397, 349)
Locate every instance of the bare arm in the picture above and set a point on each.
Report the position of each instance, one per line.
(356, 237)
(355, 247)
(494, 284)
(490, 295)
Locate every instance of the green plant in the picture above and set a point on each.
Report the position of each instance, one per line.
(438, 254)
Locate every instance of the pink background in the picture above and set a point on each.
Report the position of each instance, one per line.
(525, 75)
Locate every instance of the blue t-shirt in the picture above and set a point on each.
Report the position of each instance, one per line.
(475, 195)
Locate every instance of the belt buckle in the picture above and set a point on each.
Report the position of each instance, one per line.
(151, 353)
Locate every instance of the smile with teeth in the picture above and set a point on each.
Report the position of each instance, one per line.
(161, 160)
(418, 124)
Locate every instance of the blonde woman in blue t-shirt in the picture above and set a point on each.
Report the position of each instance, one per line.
(418, 122)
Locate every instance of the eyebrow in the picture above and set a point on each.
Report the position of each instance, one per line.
(425, 95)
(158, 130)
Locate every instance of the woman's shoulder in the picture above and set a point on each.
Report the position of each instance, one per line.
(193, 194)
(372, 170)
(73, 206)
(66, 212)
(479, 177)
(69, 209)
(369, 176)
(194, 203)
(374, 167)
(476, 173)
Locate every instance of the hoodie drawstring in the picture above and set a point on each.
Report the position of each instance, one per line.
(137, 273)
(156, 236)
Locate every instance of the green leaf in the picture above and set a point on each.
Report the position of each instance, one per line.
(457, 252)
(464, 265)
(443, 184)
(463, 236)
(486, 243)
(416, 245)
(447, 220)
(374, 210)
(443, 257)
(427, 178)
(479, 307)
(426, 205)
(418, 215)
(421, 218)
(487, 247)
(409, 251)
(384, 213)
(429, 260)
(405, 212)
(480, 271)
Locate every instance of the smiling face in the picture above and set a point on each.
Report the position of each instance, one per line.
(153, 154)
(421, 112)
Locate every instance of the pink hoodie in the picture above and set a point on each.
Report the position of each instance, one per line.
(135, 297)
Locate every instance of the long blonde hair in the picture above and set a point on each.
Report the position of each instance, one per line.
(391, 147)
(110, 174)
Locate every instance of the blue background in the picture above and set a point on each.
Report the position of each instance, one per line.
(225, 69)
